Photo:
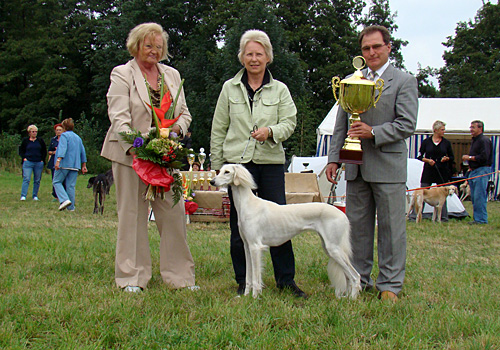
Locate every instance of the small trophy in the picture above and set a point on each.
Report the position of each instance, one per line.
(190, 158)
(357, 95)
(201, 157)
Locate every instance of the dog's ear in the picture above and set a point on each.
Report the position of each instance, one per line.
(91, 182)
(236, 178)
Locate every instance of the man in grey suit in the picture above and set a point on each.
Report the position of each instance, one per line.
(378, 185)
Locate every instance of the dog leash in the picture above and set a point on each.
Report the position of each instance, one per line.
(254, 129)
(452, 182)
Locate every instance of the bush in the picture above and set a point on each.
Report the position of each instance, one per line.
(9, 152)
(92, 135)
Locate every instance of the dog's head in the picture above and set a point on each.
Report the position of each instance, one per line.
(451, 189)
(234, 174)
(91, 182)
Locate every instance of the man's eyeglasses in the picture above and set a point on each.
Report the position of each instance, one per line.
(374, 47)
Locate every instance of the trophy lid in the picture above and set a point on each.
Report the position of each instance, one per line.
(359, 63)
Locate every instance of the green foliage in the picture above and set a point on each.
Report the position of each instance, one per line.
(58, 55)
(425, 87)
(9, 151)
(92, 137)
(380, 14)
(472, 63)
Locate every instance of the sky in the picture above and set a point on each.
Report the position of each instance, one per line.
(426, 24)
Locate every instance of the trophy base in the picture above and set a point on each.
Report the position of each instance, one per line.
(350, 157)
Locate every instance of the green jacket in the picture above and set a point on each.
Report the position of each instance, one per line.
(233, 121)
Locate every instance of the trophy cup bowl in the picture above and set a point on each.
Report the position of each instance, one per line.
(356, 95)
(190, 158)
(201, 157)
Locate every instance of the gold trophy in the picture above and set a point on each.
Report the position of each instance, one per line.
(357, 95)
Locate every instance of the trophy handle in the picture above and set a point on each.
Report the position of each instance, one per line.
(335, 86)
(379, 84)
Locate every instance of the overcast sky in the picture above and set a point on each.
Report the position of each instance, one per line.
(425, 24)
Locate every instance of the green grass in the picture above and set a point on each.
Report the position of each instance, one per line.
(57, 288)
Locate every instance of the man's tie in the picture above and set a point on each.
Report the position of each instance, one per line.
(372, 76)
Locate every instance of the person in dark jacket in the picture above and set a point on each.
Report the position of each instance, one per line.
(33, 152)
(437, 154)
(480, 158)
(54, 142)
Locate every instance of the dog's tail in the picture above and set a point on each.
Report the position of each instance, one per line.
(339, 265)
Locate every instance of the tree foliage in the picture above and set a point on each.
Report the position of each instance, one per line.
(57, 55)
(472, 63)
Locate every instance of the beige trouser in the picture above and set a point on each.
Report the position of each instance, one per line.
(133, 256)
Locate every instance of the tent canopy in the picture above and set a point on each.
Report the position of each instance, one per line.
(457, 113)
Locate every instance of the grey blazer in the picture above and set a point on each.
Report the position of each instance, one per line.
(393, 120)
(127, 98)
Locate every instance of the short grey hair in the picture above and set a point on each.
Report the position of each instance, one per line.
(259, 37)
(438, 124)
(137, 36)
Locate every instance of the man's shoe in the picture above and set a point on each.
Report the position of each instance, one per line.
(35, 198)
(388, 295)
(65, 204)
(23, 198)
(132, 289)
(299, 293)
(476, 223)
(241, 288)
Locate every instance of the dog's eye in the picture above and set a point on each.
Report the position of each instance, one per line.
(226, 172)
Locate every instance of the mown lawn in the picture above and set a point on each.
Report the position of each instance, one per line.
(57, 289)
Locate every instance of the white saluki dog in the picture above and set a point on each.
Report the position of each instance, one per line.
(263, 224)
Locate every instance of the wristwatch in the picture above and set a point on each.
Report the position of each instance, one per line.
(373, 133)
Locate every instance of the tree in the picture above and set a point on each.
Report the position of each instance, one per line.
(322, 33)
(380, 14)
(425, 87)
(472, 63)
(43, 69)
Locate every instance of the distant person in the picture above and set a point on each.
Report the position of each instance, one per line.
(70, 158)
(479, 159)
(376, 189)
(437, 154)
(58, 129)
(33, 152)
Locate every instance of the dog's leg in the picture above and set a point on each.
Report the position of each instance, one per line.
(419, 206)
(248, 264)
(256, 257)
(102, 195)
(96, 199)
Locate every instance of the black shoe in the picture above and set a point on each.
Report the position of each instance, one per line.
(241, 288)
(299, 293)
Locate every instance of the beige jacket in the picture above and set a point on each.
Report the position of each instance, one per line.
(127, 97)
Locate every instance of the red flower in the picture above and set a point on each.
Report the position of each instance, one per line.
(191, 207)
(161, 112)
(152, 174)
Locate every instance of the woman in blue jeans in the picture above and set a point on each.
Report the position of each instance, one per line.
(33, 153)
(70, 157)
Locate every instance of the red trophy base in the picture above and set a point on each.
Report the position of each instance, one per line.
(350, 157)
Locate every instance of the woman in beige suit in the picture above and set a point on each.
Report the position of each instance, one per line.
(127, 109)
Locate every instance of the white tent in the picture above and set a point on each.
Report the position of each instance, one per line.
(457, 113)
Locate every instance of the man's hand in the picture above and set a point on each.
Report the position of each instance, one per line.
(360, 130)
(331, 172)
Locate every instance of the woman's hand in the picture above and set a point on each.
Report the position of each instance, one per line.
(445, 159)
(261, 134)
(431, 162)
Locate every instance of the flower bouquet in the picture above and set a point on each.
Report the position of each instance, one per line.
(159, 154)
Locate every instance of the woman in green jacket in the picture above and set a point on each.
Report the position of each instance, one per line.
(254, 115)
